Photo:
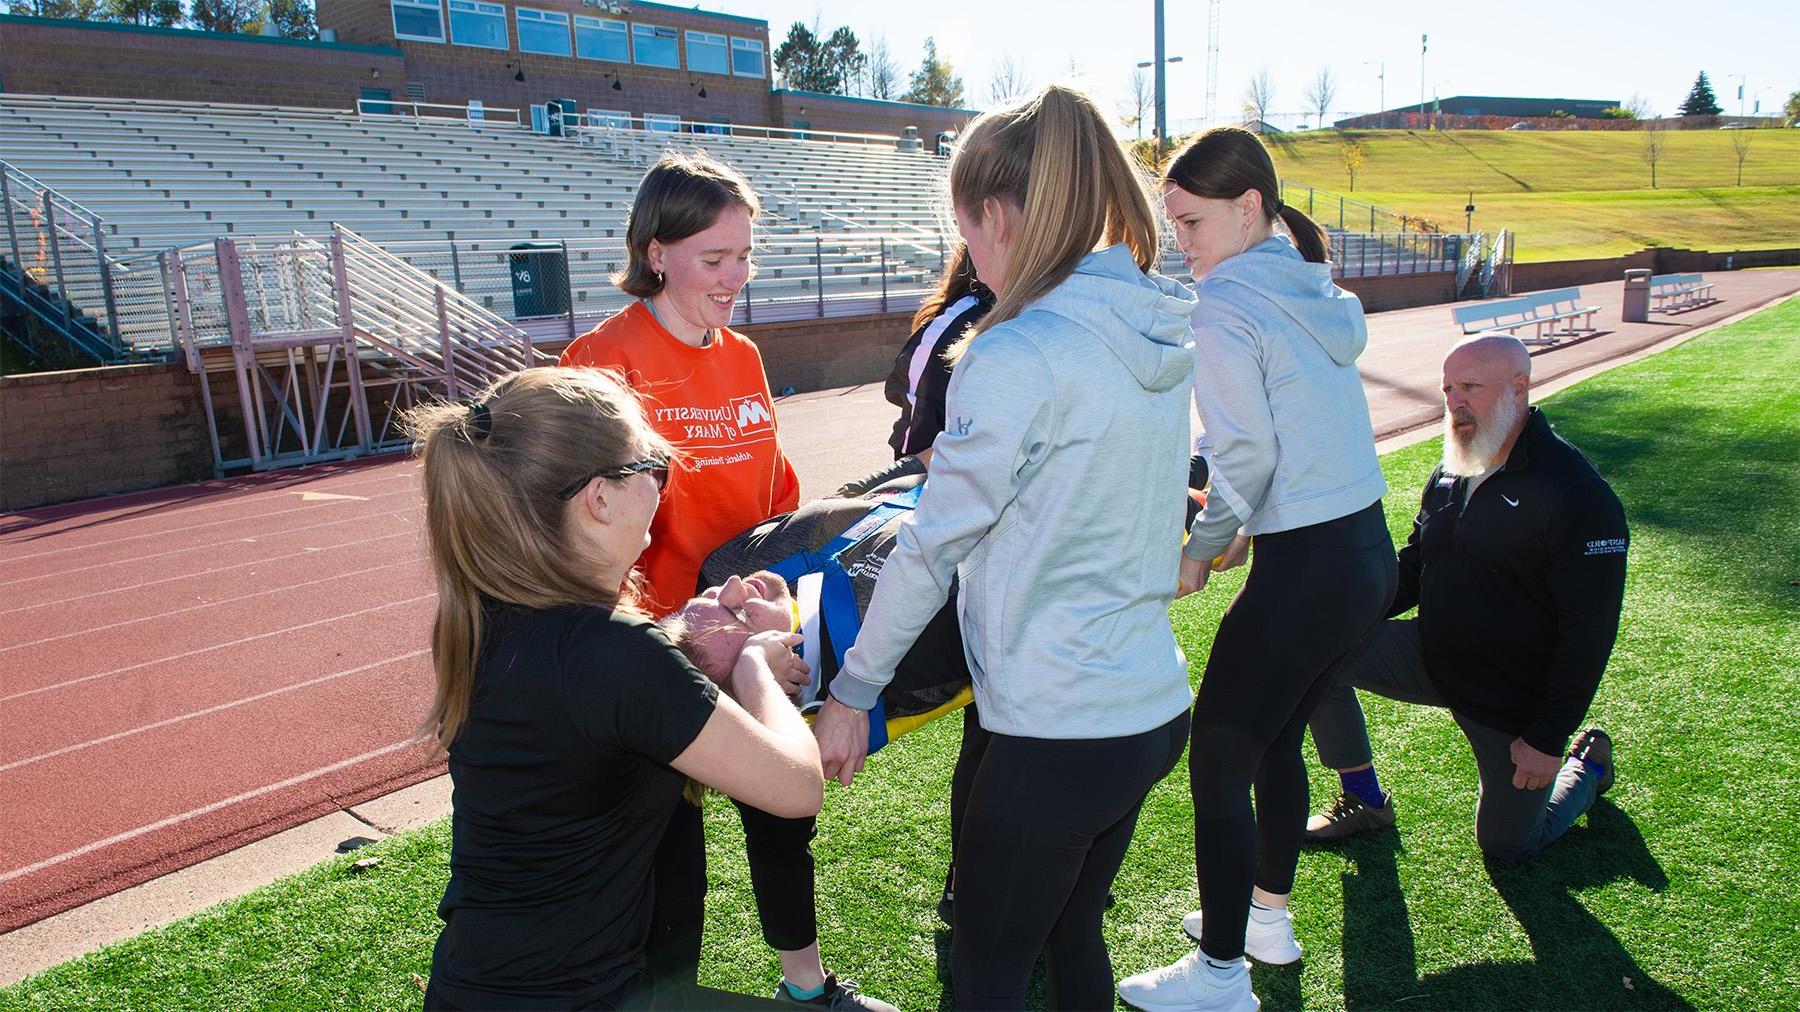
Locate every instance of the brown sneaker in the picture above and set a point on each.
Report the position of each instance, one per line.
(1595, 746)
(1347, 817)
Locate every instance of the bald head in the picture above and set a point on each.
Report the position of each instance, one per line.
(1487, 383)
(1501, 356)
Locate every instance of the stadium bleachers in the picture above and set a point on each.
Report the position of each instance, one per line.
(170, 174)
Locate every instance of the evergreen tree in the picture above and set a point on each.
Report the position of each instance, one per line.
(240, 17)
(1700, 100)
(935, 82)
(824, 65)
(293, 18)
(151, 13)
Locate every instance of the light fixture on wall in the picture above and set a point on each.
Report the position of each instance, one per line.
(697, 84)
(617, 84)
(518, 72)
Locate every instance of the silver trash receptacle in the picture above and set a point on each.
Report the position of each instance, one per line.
(1637, 297)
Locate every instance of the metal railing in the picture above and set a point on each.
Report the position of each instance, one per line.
(1372, 254)
(473, 113)
(1347, 214)
(56, 265)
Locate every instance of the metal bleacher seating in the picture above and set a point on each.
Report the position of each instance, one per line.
(844, 223)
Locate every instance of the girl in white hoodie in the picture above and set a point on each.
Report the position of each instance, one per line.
(1056, 497)
(1294, 467)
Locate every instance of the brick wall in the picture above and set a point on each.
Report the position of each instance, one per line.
(820, 354)
(1659, 260)
(454, 74)
(75, 435)
(51, 57)
(1401, 291)
(864, 115)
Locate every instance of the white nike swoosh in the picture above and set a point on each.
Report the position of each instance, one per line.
(1509, 502)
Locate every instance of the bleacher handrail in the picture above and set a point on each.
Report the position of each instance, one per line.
(472, 114)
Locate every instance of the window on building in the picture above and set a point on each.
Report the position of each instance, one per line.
(747, 57)
(662, 122)
(473, 23)
(543, 32)
(706, 53)
(654, 46)
(419, 20)
(600, 39)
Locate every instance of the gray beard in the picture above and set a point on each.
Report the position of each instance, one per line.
(1480, 453)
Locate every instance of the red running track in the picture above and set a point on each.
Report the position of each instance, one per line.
(188, 670)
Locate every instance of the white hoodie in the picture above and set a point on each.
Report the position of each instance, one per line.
(1287, 424)
(1056, 495)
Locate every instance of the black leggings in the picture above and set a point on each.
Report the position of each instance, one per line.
(1311, 594)
(781, 876)
(1047, 826)
(975, 740)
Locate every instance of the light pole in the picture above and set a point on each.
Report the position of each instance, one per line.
(1162, 105)
(1756, 101)
(1380, 75)
(1740, 78)
(1422, 39)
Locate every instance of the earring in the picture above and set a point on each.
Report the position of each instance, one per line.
(659, 277)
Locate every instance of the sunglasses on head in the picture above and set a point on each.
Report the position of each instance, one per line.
(657, 467)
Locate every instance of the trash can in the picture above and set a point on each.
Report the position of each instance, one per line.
(1637, 297)
(540, 279)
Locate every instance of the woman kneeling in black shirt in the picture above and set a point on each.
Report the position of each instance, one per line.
(571, 723)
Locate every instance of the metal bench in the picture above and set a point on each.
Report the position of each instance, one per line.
(1541, 311)
(1678, 291)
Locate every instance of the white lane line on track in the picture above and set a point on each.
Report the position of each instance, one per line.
(209, 649)
(207, 572)
(334, 504)
(37, 533)
(208, 711)
(205, 546)
(209, 604)
(203, 810)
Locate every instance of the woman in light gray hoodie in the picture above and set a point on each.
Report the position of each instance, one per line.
(1294, 468)
(1057, 497)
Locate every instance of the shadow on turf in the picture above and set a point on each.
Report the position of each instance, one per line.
(1579, 962)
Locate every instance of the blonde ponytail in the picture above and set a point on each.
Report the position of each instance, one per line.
(1054, 158)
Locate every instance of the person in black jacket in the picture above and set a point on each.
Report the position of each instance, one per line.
(921, 374)
(1517, 565)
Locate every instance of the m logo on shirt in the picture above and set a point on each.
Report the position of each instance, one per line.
(752, 414)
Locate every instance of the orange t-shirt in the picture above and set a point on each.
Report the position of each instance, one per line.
(713, 403)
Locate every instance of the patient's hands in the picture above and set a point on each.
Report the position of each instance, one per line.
(775, 650)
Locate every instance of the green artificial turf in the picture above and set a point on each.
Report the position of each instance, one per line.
(1677, 890)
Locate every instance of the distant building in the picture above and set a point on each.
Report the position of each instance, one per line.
(1484, 105)
(657, 63)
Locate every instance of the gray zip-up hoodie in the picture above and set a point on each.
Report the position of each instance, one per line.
(1287, 424)
(1056, 496)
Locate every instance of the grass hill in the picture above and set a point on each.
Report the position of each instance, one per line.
(1571, 194)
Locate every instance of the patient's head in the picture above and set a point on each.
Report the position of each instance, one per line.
(711, 629)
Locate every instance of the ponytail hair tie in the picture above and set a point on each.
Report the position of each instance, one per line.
(479, 423)
(1279, 207)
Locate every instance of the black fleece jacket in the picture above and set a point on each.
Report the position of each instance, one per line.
(1519, 592)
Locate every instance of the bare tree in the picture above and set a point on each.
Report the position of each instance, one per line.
(883, 76)
(1319, 94)
(1010, 81)
(1639, 107)
(1654, 138)
(1259, 94)
(1740, 144)
(1351, 154)
(1138, 98)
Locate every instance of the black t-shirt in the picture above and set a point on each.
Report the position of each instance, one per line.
(562, 790)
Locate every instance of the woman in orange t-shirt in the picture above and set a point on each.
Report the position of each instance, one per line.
(688, 244)
(688, 247)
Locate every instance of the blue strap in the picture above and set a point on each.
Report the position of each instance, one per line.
(837, 596)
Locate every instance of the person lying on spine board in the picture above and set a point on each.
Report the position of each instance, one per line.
(781, 574)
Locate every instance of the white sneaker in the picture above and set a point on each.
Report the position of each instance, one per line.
(1273, 944)
(1189, 985)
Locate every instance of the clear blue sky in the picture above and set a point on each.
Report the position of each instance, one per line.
(1529, 48)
